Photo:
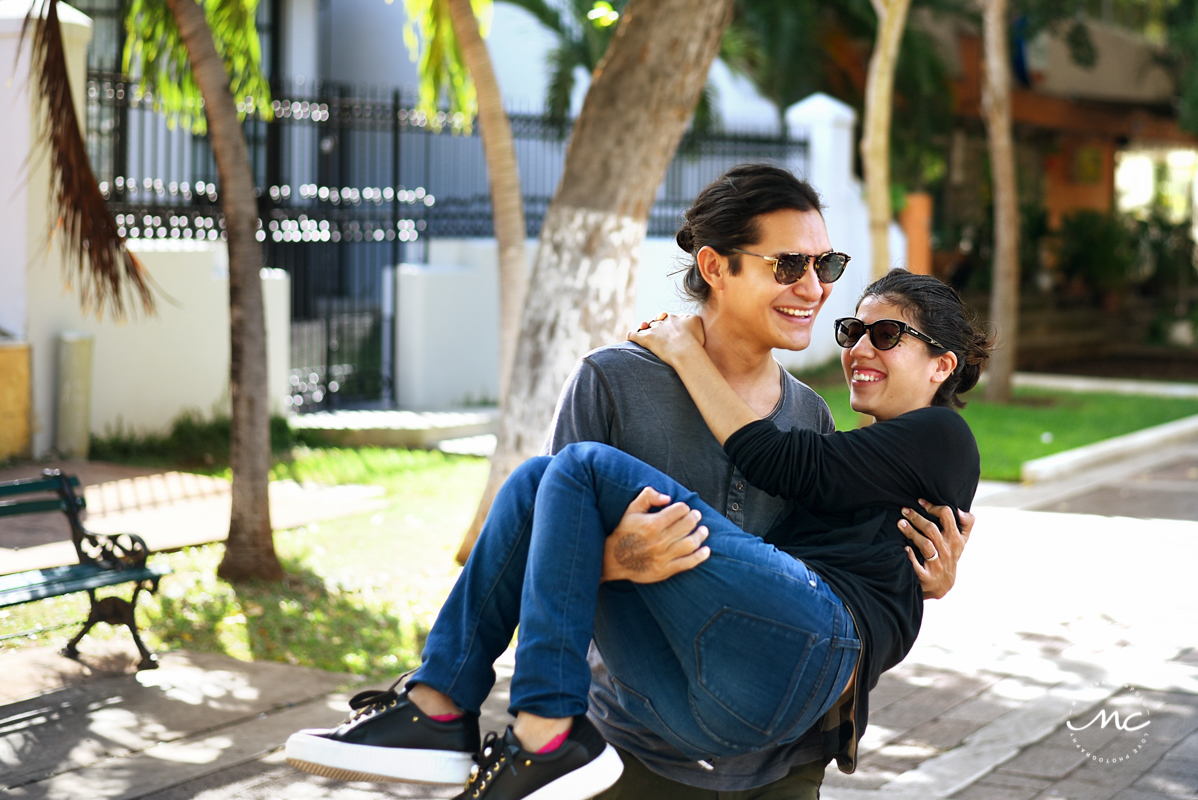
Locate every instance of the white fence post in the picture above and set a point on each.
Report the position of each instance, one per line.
(830, 129)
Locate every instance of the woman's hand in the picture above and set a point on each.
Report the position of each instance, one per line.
(670, 336)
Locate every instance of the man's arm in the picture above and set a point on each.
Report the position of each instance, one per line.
(648, 545)
(941, 549)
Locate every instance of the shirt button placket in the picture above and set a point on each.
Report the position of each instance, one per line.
(736, 500)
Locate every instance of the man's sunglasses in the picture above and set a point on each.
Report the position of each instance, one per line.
(883, 333)
(789, 267)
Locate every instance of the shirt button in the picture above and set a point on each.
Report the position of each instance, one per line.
(811, 582)
(740, 484)
(736, 506)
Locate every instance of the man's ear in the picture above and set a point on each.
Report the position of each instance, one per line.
(945, 364)
(712, 266)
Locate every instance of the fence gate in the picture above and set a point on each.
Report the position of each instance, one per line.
(353, 183)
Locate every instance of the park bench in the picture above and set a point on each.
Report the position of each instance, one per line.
(104, 560)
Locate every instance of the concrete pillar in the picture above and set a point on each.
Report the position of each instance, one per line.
(73, 420)
(829, 126)
(15, 423)
(916, 220)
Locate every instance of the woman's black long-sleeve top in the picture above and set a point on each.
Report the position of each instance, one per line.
(850, 487)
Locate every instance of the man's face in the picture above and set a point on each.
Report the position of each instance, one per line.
(763, 312)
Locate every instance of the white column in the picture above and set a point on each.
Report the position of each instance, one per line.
(829, 126)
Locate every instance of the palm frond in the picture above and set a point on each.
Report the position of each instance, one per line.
(740, 49)
(707, 116)
(429, 36)
(548, 15)
(155, 53)
(96, 258)
(563, 60)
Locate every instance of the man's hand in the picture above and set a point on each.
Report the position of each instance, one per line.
(647, 546)
(941, 546)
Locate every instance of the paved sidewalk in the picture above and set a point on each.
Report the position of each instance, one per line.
(1075, 600)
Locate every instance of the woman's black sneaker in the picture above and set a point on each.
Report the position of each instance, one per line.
(388, 738)
(583, 766)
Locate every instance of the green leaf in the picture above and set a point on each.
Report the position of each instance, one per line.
(444, 78)
(157, 59)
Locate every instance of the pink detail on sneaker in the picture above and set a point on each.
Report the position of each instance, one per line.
(445, 717)
(554, 743)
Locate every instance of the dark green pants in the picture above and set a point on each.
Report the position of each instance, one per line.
(640, 783)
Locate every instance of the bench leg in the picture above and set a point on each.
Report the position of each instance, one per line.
(114, 611)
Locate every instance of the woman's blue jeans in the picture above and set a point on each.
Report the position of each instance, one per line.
(746, 650)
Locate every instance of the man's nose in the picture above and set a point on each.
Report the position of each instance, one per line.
(808, 286)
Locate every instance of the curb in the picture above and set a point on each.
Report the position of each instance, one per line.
(1060, 465)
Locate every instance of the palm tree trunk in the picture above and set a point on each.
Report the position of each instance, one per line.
(1004, 293)
(249, 552)
(581, 288)
(875, 139)
(507, 200)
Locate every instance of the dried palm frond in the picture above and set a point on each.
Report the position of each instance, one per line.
(96, 257)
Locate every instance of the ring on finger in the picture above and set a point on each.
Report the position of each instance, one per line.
(932, 557)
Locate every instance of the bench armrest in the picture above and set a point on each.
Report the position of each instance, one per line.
(111, 551)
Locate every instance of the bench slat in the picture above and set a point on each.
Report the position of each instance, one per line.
(14, 508)
(23, 587)
(27, 485)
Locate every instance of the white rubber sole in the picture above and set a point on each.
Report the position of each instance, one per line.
(310, 752)
(587, 781)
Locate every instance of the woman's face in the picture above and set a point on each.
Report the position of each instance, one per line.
(887, 383)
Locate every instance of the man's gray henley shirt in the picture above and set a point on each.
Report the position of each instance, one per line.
(625, 396)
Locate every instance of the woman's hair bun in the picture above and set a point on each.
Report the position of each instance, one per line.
(685, 239)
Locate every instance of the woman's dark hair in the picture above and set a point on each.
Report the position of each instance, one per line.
(936, 309)
(724, 216)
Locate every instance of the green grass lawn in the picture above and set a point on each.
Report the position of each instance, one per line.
(361, 592)
(1039, 423)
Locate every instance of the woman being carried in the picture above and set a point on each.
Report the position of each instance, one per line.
(760, 640)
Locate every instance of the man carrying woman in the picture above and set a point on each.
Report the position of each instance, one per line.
(760, 295)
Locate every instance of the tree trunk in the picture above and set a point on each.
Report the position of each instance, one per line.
(875, 139)
(507, 200)
(249, 552)
(581, 289)
(1004, 292)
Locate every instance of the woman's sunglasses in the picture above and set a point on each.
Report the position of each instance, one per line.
(883, 333)
(789, 267)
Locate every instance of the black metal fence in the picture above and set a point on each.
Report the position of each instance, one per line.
(351, 184)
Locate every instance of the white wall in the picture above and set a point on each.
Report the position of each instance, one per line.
(148, 370)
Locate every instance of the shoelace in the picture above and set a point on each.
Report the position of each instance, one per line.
(373, 701)
(489, 761)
